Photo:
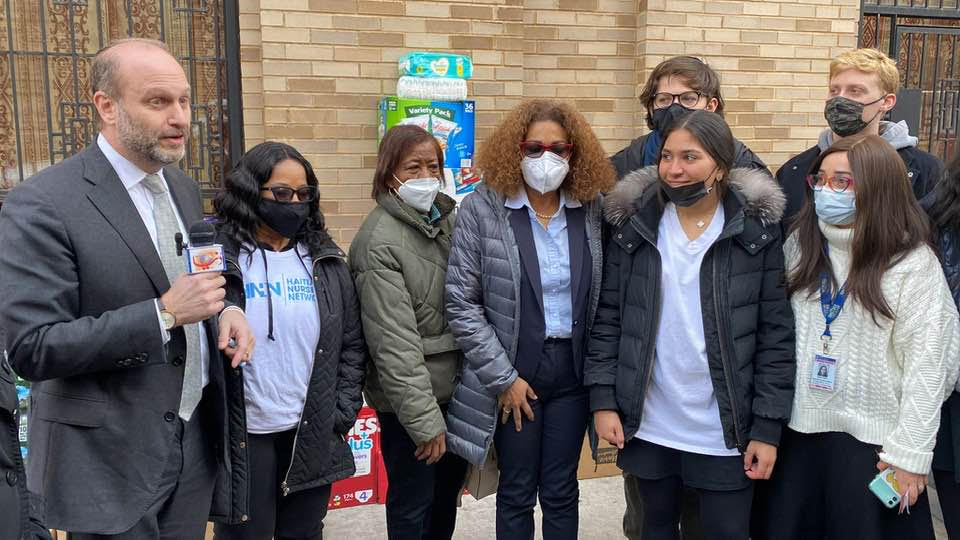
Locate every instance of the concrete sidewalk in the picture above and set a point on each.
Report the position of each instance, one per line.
(601, 511)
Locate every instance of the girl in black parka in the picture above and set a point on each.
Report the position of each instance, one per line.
(943, 206)
(691, 358)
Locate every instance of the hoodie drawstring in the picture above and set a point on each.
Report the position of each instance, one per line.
(266, 275)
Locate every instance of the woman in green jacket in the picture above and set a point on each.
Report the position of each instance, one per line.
(399, 262)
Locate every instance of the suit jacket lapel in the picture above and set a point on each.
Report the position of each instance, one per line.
(520, 222)
(113, 201)
(576, 234)
(184, 197)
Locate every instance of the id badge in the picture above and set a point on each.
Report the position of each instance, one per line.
(824, 373)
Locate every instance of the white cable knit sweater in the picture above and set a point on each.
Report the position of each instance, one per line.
(891, 379)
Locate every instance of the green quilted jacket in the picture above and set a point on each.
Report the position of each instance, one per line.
(399, 263)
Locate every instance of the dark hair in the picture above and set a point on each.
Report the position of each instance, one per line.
(394, 148)
(694, 72)
(887, 225)
(236, 204)
(945, 211)
(713, 134)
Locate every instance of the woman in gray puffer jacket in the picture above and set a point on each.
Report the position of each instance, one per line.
(522, 288)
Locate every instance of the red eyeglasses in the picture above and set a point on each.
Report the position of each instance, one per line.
(838, 183)
(535, 149)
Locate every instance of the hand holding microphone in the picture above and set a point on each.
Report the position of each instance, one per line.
(198, 294)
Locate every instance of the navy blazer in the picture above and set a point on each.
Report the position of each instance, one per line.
(532, 324)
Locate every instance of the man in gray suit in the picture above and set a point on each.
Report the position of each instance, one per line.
(128, 427)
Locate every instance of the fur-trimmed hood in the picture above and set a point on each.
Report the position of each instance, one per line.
(762, 197)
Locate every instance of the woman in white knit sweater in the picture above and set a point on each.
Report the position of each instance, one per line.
(878, 346)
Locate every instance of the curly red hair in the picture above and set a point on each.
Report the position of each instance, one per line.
(591, 172)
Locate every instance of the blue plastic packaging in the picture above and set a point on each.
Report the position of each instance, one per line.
(427, 64)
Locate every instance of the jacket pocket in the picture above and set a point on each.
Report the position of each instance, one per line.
(439, 344)
(75, 411)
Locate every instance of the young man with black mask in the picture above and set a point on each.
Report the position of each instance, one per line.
(676, 86)
(863, 87)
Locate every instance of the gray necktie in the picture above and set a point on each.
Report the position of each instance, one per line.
(167, 227)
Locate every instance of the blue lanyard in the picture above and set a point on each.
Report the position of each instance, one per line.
(830, 304)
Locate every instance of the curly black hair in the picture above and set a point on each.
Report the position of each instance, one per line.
(236, 204)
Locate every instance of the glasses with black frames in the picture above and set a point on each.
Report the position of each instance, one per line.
(285, 194)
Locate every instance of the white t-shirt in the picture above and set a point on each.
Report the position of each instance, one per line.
(276, 379)
(680, 409)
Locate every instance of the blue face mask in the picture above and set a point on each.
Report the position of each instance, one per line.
(835, 208)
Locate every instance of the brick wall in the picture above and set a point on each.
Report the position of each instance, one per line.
(314, 70)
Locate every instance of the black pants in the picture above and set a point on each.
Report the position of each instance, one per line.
(299, 515)
(691, 527)
(421, 499)
(725, 514)
(542, 458)
(948, 491)
(186, 487)
(669, 483)
(819, 490)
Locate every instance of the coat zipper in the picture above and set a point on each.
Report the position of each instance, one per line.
(284, 486)
(654, 328)
(727, 370)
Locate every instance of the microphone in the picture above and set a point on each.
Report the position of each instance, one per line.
(203, 255)
(178, 241)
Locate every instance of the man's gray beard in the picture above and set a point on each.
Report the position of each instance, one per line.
(136, 138)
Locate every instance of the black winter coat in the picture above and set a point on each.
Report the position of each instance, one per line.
(924, 170)
(946, 455)
(19, 510)
(747, 319)
(321, 454)
(631, 158)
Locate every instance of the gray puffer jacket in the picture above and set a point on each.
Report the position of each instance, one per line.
(483, 284)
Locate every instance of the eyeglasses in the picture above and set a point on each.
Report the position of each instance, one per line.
(285, 194)
(535, 149)
(838, 183)
(689, 99)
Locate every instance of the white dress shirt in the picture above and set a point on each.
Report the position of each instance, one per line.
(553, 258)
(131, 176)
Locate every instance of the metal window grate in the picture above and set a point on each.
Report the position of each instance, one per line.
(46, 112)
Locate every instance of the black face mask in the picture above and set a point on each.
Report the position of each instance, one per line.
(285, 218)
(689, 194)
(662, 118)
(845, 116)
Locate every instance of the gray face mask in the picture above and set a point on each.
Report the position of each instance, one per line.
(845, 116)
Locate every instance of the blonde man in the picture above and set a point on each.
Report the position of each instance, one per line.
(863, 88)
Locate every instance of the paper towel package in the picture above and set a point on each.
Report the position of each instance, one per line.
(452, 123)
(426, 64)
(433, 89)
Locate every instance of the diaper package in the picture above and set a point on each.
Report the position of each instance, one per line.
(451, 123)
(442, 65)
(432, 88)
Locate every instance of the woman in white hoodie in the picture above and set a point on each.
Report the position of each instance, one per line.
(878, 344)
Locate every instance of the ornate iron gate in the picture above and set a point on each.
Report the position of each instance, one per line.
(46, 109)
(923, 36)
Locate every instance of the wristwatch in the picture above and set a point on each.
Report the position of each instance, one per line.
(168, 318)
